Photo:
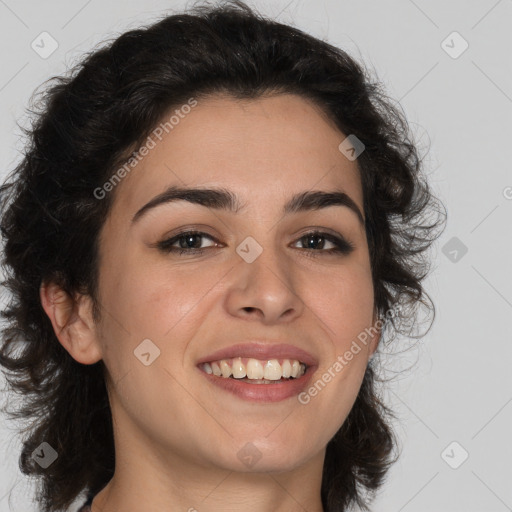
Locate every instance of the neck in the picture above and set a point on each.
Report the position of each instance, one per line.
(153, 474)
(180, 485)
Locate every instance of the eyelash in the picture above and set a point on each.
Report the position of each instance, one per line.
(342, 246)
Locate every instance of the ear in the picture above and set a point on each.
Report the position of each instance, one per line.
(72, 321)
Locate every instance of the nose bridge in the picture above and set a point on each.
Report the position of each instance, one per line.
(265, 259)
(264, 282)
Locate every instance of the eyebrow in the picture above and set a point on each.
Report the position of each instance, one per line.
(224, 199)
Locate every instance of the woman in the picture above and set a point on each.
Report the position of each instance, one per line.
(215, 218)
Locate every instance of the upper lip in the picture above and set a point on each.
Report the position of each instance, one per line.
(263, 351)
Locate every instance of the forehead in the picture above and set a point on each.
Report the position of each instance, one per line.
(263, 149)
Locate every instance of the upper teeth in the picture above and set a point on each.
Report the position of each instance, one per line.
(251, 368)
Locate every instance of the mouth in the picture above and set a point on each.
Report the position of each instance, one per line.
(260, 373)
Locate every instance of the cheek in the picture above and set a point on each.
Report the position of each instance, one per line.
(347, 303)
(344, 301)
(154, 300)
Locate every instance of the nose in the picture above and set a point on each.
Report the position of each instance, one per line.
(264, 290)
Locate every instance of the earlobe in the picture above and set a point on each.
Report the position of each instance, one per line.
(72, 322)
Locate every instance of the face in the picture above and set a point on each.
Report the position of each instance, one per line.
(253, 275)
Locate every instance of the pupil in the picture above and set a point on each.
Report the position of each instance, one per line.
(310, 239)
(190, 238)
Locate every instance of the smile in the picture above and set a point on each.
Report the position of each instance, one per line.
(254, 380)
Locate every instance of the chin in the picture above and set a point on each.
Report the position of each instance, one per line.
(251, 457)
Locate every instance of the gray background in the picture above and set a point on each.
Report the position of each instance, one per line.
(457, 384)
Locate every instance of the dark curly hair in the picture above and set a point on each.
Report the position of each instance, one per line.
(89, 121)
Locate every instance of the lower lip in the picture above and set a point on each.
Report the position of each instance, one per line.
(275, 392)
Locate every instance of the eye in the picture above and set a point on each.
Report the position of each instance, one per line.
(315, 242)
(187, 242)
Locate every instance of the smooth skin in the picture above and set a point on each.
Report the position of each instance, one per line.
(177, 436)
